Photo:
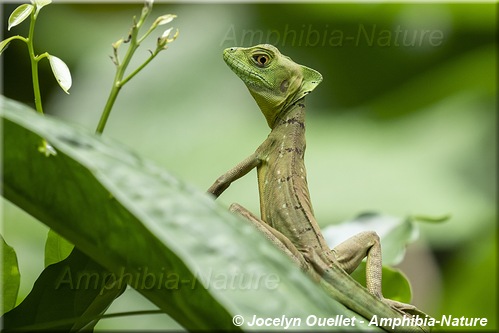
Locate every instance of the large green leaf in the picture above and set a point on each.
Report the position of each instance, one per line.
(11, 277)
(182, 251)
(56, 248)
(69, 295)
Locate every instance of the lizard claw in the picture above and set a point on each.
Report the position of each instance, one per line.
(404, 309)
(407, 310)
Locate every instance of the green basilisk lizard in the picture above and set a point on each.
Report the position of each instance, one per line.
(279, 87)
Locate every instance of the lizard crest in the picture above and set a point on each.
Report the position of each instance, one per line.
(274, 80)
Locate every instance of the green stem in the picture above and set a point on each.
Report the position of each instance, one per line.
(118, 82)
(117, 85)
(151, 29)
(21, 38)
(132, 313)
(138, 69)
(34, 64)
(107, 109)
(56, 323)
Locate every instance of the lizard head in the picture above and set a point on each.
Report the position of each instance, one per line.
(273, 79)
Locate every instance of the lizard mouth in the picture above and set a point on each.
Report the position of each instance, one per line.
(245, 72)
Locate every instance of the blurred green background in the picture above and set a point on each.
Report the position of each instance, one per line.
(403, 123)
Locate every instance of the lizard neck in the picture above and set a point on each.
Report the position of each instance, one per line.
(293, 115)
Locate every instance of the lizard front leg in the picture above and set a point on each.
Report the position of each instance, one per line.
(351, 252)
(224, 181)
(277, 238)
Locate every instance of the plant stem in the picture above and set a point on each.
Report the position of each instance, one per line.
(34, 64)
(118, 82)
(138, 69)
(131, 313)
(107, 109)
(120, 72)
(117, 85)
(55, 323)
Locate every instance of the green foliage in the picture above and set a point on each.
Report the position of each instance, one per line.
(186, 254)
(56, 248)
(67, 296)
(484, 260)
(134, 41)
(20, 14)
(10, 276)
(61, 72)
(59, 69)
(392, 129)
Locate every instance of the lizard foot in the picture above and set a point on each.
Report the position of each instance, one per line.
(404, 309)
(407, 310)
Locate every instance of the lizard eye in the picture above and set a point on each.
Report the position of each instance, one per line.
(261, 59)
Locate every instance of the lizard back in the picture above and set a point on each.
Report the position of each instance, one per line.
(284, 196)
